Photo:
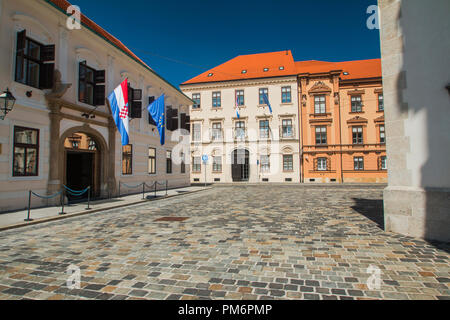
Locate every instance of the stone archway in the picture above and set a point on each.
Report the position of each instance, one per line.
(101, 164)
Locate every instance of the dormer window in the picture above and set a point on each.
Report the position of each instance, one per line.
(210, 75)
(266, 69)
(346, 73)
(281, 68)
(244, 71)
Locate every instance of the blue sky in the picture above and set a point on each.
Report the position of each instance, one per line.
(201, 34)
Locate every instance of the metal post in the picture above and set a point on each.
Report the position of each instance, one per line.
(167, 185)
(155, 187)
(143, 191)
(29, 207)
(119, 189)
(62, 202)
(89, 199)
(205, 174)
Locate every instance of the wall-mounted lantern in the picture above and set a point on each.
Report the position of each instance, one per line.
(7, 102)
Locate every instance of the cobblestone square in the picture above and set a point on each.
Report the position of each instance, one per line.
(238, 242)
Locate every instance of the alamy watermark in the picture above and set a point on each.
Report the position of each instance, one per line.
(74, 277)
(374, 281)
(74, 21)
(373, 22)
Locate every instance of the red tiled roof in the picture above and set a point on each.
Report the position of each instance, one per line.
(359, 69)
(254, 65)
(63, 5)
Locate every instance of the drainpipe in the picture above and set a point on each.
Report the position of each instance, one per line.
(340, 137)
(300, 131)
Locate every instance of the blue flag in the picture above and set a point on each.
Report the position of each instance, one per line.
(157, 112)
(266, 101)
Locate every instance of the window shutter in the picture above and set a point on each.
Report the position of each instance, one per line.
(21, 41)
(188, 123)
(316, 164)
(150, 118)
(136, 110)
(48, 53)
(99, 95)
(168, 117)
(379, 163)
(328, 164)
(183, 120)
(46, 75)
(99, 76)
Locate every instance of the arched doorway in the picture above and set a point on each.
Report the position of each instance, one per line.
(240, 165)
(82, 163)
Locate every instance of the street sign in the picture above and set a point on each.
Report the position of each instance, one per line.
(205, 158)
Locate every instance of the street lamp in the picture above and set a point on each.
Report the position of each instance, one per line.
(7, 102)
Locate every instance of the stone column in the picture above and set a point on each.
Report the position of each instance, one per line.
(111, 171)
(414, 50)
(54, 175)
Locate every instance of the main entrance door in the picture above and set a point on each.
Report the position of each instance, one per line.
(82, 165)
(240, 167)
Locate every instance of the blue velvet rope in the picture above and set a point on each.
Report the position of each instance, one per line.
(140, 185)
(46, 197)
(75, 192)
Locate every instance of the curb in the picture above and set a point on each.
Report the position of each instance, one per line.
(82, 213)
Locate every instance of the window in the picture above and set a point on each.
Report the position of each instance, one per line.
(26, 148)
(266, 69)
(358, 163)
(380, 102)
(196, 99)
(216, 133)
(196, 164)
(382, 134)
(263, 92)
(287, 128)
(286, 95)
(217, 164)
(90, 90)
(288, 162)
(151, 160)
(196, 132)
(240, 98)
(240, 130)
(322, 164)
(183, 163)
(127, 159)
(383, 163)
(264, 129)
(320, 105)
(321, 135)
(32, 67)
(357, 135)
(356, 103)
(135, 104)
(169, 162)
(265, 163)
(216, 100)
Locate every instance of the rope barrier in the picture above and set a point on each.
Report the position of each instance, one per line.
(75, 192)
(132, 187)
(46, 197)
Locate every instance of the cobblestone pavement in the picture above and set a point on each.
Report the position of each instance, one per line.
(239, 242)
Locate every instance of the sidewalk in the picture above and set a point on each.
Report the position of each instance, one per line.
(16, 219)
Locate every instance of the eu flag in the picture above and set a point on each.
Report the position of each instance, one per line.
(157, 112)
(266, 101)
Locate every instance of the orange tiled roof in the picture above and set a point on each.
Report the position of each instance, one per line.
(63, 5)
(253, 64)
(359, 69)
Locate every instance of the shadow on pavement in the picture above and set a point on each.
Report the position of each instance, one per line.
(371, 209)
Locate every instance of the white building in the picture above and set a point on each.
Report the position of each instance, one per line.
(60, 131)
(257, 146)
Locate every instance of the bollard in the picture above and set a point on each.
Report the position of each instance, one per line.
(167, 185)
(89, 199)
(29, 207)
(62, 203)
(155, 188)
(143, 191)
(119, 189)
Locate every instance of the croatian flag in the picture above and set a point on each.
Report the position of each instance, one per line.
(237, 106)
(118, 100)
